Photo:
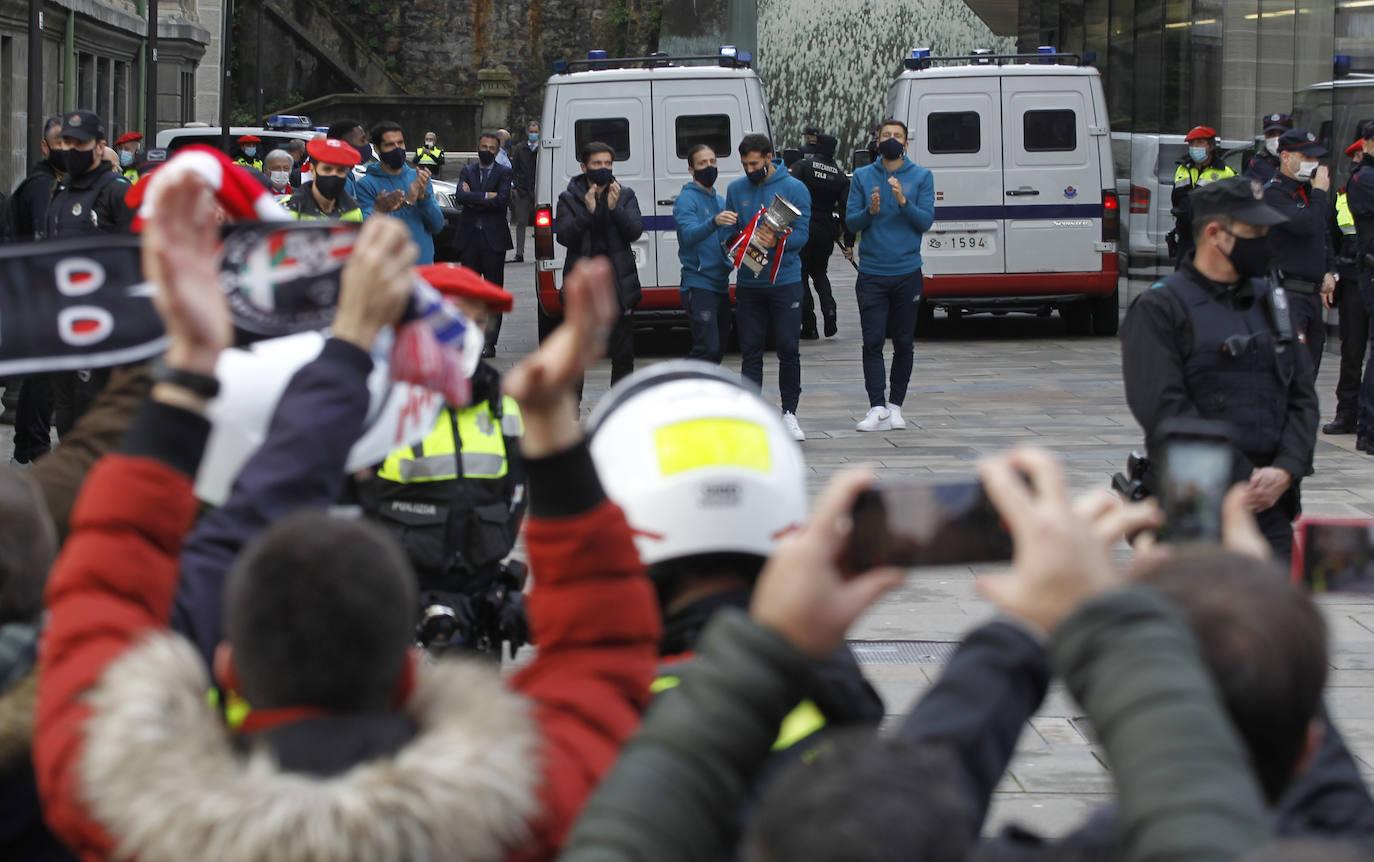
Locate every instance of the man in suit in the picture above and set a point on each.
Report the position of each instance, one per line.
(483, 233)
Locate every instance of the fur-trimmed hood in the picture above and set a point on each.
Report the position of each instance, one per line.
(161, 774)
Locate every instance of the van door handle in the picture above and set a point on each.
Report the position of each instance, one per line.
(1022, 192)
(669, 202)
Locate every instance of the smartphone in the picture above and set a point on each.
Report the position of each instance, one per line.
(1196, 469)
(1335, 555)
(938, 524)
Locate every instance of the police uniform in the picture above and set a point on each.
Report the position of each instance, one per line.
(1265, 164)
(1192, 347)
(246, 160)
(1360, 197)
(431, 158)
(130, 173)
(1301, 246)
(1354, 320)
(1188, 177)
(829, 189)
(303, 207)
(455, 501)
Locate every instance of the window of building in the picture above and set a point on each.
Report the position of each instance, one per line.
(103, 87)
(85, 81)
(713, 130)
(1054, 131)
(188, 98)
(954, 132)
(612, 131)
(119, 114)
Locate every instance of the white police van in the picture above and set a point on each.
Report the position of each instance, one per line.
(1026, 212)
(651, 111)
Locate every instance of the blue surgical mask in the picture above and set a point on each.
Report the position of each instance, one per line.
(1197, 154)
(250, 151)
(126, 158)
(534, 137)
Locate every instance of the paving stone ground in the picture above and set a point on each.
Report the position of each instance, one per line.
(982, 385)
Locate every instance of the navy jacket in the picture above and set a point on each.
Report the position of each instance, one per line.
(1301, 246)
(484, 219)
(300, 465)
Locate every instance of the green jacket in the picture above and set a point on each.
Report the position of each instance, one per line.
(1183, 780)
(1185, 786)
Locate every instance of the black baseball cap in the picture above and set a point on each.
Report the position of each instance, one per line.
(811, 130)
(1276, 122)
(1367, 129)
(1236, 198)
(82, 125)
(1302, 141)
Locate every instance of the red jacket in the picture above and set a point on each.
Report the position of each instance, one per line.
(593, 614)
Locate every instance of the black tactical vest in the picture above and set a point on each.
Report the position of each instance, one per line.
(72, 210)
(1244, 384)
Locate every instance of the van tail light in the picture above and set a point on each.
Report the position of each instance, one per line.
(1140, 200)
(1111, 216)
(543, 233)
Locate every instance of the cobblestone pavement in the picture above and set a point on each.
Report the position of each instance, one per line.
(981, 385)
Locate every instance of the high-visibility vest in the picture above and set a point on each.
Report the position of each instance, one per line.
(1191, 175)
(797, 725)
(428, 155)
(131, 174)
(355, 215)
(1344, 218)
(469, 443)
(256, 164)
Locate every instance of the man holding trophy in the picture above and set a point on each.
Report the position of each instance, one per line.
(774, 216)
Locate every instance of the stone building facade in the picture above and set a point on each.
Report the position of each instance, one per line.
(93, 57)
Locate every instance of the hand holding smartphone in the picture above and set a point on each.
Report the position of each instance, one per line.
(936, 524)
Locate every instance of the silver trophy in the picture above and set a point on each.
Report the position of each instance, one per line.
(779, 216)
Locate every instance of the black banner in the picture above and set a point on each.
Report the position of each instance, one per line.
(82, 302)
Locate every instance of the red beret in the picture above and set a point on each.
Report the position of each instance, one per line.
(451, 279)
(332, 151)
(1201, 133)
(250, 139)
(1354, 148)
(128, 138)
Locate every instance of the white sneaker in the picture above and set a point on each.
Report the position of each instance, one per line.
(878, 419)
(895, 416)
(790, 420)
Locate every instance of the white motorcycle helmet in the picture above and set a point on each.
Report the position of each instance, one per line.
(699, 463)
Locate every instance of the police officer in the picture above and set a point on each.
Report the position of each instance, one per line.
(1200, 167)
(88, 200)
(1265, 163)
(829, 189)
(1214, 340)
(1354, 321)
(431, 156)
(1303, 255)
(1360, 195)
(127, 146)
(456, 499)
(249, 147)
(324, 197)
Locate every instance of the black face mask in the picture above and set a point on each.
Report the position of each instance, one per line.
(486, 157)
(891, 149)
(73, 163)
(330, 187)
(757, 177)
(707, 175)
(600, 176)
(1251, 257)
(365, 151)
(394, 158)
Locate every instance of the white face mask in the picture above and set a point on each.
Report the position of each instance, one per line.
(1307, 169)
(280, 178)
(1272, 145)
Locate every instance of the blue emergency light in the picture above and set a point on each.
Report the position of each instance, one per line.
(596, 54)
(917, 55)
(1046, 50)
(728, 51)
(560, 67)
(289, 121)
(745, 58)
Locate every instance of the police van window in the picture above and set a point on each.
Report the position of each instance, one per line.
(612, 131)
(713, 130)
(1051, 131)
(954, 132)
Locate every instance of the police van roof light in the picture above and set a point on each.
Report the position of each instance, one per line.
(920, 53)
(728, 51)
(1046, 49)
(288, 121)
(745, 58)
(914, 61)
(560, 67)
(596, 54)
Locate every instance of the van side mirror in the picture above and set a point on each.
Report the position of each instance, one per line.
(860, 159)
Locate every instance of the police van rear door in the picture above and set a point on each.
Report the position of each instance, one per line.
(617, 113)
(1052, 182)
(955, 123)
(687, 112)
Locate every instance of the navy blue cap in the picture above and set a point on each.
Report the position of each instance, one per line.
(82, 125)
(1237, 198)
(1302, 141)
(1276, 122)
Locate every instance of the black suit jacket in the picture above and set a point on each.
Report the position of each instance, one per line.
(483, 219)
